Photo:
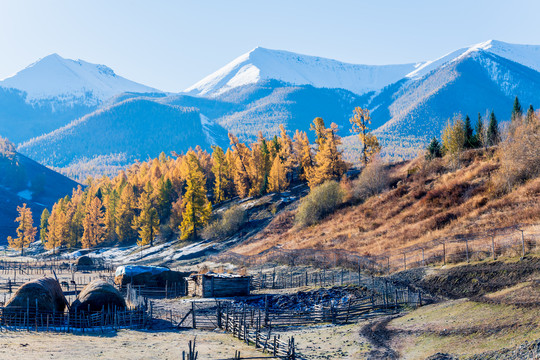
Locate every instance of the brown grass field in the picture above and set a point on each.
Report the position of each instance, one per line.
(426, 201)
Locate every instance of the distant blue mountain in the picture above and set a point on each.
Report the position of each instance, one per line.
(99, 128)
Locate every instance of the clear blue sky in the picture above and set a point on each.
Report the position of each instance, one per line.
(172, 44)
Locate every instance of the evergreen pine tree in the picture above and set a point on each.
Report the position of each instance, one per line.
(493, 136)
(480, 137)
(433, 149)
(517, 111)
(469, 137)
(197, 208)
(26, 232)
(530, 114)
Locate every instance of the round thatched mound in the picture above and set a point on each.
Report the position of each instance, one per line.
(46, 291)
(98, 295)
(84, 261)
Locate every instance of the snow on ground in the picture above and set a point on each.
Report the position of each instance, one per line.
(67, 80)
(25, 194)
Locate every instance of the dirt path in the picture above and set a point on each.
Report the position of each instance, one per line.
(379, 337)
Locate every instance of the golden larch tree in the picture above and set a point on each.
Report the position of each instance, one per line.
(26, 232)
(93, 224)
(147, 223)
(361, 121)
(328, 160)
(197, 208)
(125, 214)
(220, 174)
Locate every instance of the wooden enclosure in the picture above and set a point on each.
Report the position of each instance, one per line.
(218, 285)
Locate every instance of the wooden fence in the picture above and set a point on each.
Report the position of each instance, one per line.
(32, 319)
(518, 240)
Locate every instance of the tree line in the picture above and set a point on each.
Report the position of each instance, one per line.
(459, 135)
(171, 194)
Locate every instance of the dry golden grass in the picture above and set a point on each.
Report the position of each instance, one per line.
(429, 201)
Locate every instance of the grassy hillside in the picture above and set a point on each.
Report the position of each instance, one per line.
(424, 201)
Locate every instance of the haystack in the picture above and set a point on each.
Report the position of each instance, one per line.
(150, 276)
(99, 294)
(84, 261)
(46, 291)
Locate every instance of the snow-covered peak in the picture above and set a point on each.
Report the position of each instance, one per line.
(65, 79)
(527, 55)
(263, 64)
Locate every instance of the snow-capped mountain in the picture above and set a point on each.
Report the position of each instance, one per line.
(409, 103)
(65, 80)
(527, 55)
(262, 64)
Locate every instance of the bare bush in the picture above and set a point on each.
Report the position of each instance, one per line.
(519, 154)
(373, 180)
(227, 224)
(320, 202)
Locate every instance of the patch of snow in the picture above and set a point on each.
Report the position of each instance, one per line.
(65, 80)
(133, 270)
(207, 128)
(262, 64)
(25, 194)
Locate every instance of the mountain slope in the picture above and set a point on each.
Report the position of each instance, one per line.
(475, 83)
(65, 80)
(264, 64)
(270, 103)
(54, 91)
(134, 129)
(24, 181)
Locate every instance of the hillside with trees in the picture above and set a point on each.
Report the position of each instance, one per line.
(23, 181)
(171, 197)
(471, 182)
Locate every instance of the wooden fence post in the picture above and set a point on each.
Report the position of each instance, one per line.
(522, 245)
(444, 251)
(194, 323)
(493, 246)
(404, 262)
(467, 248)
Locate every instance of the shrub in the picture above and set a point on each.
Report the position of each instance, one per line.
(227, 224)
(519, 154)
(373, 180)
(320, 202)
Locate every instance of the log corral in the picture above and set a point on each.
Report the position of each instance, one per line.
(218, 285)
(150, 276)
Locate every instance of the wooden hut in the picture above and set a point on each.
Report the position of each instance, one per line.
(218, 285)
